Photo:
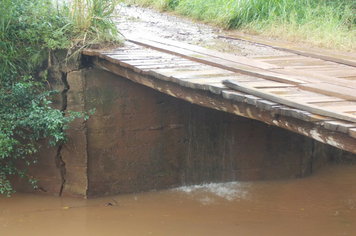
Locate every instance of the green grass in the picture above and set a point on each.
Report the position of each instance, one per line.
(92, 21)
(325, 23)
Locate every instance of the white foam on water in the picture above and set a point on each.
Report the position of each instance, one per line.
(230, 191)
(207, 200)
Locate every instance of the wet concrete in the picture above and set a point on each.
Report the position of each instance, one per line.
(140, 139)
(320, 205)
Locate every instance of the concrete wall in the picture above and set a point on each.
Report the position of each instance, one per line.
(61, 170)
(140, 139)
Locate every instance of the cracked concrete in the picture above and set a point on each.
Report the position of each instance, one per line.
(60, 164)
(63, 168)
(73, 153)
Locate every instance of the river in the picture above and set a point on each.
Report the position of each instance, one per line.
(319, 205)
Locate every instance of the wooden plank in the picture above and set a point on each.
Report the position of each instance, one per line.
(204, 80)
(344, 128)
(316, 99)
(317, 118)
(311, 78)
(266, 105)
(157, 75)
(300, 62)
(234, 95)
(286, 91)
(221, 63)
(251, 99)
(164, 66)
(316, 67)
(330, 90)
(331, 125)
(303, 52)
(341, 103)
(193, 73)
(344, 109)
(133, 52)
(201, 85)
(211, 53)
(339, 126)
(216, 87)
(161, 61)
(139, 57)
(303, 95)
(300, 114)
(330, 67)
(304, 115)
(289, 102)
(333, 72)
(247, 78)
(270, 58)
(349, 77)
(267, 84)
(284, 111)
(352, 132)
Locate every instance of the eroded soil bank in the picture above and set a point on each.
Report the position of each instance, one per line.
(321, 205)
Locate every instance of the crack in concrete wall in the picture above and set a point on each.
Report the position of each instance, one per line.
(60, 164)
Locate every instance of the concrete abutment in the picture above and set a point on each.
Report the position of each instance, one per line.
(140, 139)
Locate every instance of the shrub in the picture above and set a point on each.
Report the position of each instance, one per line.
(29, 31)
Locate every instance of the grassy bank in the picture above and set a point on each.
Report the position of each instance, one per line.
(325, 23)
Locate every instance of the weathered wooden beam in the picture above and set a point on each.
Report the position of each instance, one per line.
(221, 63)
(208, 99)
(299, 51)
(289, 101)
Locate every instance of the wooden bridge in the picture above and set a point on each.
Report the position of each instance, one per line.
(304, 92)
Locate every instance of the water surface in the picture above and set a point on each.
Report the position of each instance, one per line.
(319, 205)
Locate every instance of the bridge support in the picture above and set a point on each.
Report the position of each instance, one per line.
(149, 134)
(141, 139)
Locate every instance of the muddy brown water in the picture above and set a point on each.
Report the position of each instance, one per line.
(319, 205)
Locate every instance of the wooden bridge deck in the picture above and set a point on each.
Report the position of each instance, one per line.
(310, 94)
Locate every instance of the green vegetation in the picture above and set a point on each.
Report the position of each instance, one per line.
(29, 31)
(326, 23)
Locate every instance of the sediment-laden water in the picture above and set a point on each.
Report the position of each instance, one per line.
(319, 205)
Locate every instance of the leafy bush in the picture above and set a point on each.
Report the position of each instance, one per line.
(29, 31)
